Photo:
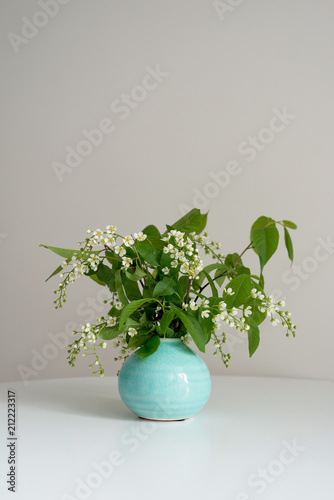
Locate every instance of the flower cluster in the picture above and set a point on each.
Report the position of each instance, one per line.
(209, 245)
(183, 253)
(88, 341)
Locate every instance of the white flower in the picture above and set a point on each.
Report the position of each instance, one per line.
(91, 337)
(248, 311)
(193, 306)
(204, 303)
(98, 234)
(222, 305)
(140, 236)
(109, 241)
(205, 314)
(184, 305)
(271, 310)
(126, 262)
(253, 292)
(184, 268)
(183, 258)
(104, 345)
(281, 303)
(94, 261)
(174, 253)
(120, 251)
(260, 295)
(111, 321)
(262, 309)
(132, 332)
(234, 311)
(223, 315)
(174, 263)
(168, 248)
(229, 291)
(274, 321)
(64, 263)
(128, 240)
(72, 277)
(119, 306)
(111, 229)
(165, 270)
(216, 319)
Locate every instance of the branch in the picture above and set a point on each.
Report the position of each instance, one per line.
(188, 290)
(225, 272)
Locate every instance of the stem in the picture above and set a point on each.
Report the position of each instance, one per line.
(188, 290)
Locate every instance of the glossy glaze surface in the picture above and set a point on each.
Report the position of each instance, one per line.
(174, 383)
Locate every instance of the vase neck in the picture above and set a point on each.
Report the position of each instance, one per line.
(169, 340)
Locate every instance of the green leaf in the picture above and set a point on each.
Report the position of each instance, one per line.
(96, 279)
(150, 254)
(165, 321)
(164, 287)
(192, 221)
(288, 243)
(221, 269)
(253, 336)
(131, 308)
(241, 286)
(201, 276)
(67, 253)
(153, 236)
(288, 223)
(58, 270)
(132, 290)
(138, 340)
(149, 347)
(135, 275)
(184, 282)
(264, 236)
(114, 260)
(63, 252)
(192, 326)
(231, 259)
(211, 283)
(105, 273)
(109, 332)
(119, 287)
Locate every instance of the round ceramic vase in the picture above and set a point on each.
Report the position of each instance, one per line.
(173, 383)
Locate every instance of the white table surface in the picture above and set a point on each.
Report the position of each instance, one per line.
(236, 448)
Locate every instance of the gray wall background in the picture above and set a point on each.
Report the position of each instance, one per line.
(229, 68)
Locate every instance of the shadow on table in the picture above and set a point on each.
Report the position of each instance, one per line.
(78, 399)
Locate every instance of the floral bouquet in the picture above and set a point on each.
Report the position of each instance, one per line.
(160, 288)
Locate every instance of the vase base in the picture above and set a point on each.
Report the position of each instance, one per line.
(165, 419)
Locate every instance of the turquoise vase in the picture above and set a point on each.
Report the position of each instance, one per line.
(173, 383)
